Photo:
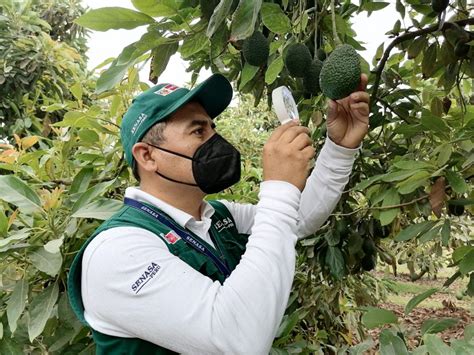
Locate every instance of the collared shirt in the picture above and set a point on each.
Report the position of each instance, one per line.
(185, 311)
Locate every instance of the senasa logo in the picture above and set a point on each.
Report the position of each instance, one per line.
(145, 277)
(142, 117)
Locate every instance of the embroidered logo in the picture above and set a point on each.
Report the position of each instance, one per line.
(142, 117)
(171, 237)
(166, 90)
(224, 224)
(145, 277)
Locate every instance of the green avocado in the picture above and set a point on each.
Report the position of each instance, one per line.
(461, 49)
(297, 60)
(340, 74)
(256, 49)
(368, 262)
(311, 78)
(439, 5)
(368, 247)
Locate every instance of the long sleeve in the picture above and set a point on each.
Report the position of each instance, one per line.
(183, 310)
(323, 190)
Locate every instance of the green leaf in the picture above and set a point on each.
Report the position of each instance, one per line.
(362, 348)
(436, 346)
(391, 198)
(90, 194)
(76, 90)
(429, 235)
(16, 192)
(40, 310)
(8, 346)
(367, 182)
(413, 165)
(431, 326)
(243, 21)
(108, 18)
(127, 58)
(456, 181)
(374, 6)
(45, 261)
(415, 47)
(446, 232)
(194, 44)
(335, 262)
(16, 303)
(428, 65)
(101, 209)
(3, 224)
(418, 179)
(414, 230)
(398, 175)
(470, 288)
(156, 8)
(275, 19)
(53, 246)
(161, 56)
(220, 13)
(461, 252)
(433, 123)
(248, 72)
(467, 263)
(13, 237)
(81, 180)
(415, 301)
(274, 69)
(390, 344)
(376, 317)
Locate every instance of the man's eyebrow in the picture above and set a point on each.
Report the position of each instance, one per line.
(199, 122)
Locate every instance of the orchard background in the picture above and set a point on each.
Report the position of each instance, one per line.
(407, 207)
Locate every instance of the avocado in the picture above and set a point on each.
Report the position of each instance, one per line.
(340, 74)
(461, 49)
(368, 262)
(455, 210)
(439, 5)
(311, 78)
(297, 59)
(256, 49)
(368, 247)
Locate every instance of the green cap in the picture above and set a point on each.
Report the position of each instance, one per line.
(159, 102)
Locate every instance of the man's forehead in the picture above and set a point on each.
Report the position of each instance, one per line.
(189, 112)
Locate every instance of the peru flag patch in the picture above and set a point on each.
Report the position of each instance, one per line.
(166, 90)
(171, 237)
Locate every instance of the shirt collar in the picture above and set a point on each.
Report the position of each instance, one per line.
(180, 217)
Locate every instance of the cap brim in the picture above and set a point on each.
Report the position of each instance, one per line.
(214, 94)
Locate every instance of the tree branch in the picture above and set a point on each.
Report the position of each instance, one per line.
(406, 37)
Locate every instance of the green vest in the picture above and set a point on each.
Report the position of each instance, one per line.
(224, 235)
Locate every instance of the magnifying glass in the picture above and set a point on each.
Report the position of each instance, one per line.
(284, 105)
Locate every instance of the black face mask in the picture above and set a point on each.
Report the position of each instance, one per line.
(216, 165)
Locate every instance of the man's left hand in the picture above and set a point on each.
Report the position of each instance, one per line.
(348, 118)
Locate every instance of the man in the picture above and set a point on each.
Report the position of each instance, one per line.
(171, 272)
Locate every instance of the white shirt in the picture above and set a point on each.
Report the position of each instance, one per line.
(184, 311)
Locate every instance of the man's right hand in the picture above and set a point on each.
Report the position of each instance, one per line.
(287, 154)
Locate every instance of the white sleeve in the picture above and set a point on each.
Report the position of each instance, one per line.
(180, 309)
(323, 190)
(324, 186)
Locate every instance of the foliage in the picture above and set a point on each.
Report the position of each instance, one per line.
(418, 155)
(41, 57)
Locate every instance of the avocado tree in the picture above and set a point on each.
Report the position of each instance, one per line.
(409, 193)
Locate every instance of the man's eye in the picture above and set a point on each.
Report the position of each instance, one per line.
(198, 131)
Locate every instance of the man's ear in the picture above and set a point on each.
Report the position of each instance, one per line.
(142, 154)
